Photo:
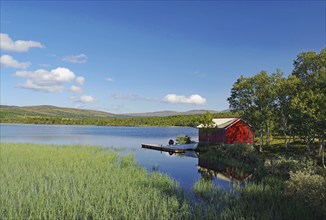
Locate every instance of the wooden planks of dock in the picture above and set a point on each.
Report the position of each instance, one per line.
(169, 149)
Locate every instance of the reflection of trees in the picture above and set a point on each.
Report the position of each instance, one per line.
(206, 175)
(211, 169)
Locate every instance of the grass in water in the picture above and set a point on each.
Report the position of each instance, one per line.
(72, 182)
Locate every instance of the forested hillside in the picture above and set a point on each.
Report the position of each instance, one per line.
(57, 115)
(50, 111)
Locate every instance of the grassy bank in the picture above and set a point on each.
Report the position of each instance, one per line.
(74, 182)
(282, 185)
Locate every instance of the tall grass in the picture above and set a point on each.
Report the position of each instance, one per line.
(41, 182)
(265, 200)
(74, 182)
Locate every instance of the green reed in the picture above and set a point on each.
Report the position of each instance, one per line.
(75, 182)
(72, 182)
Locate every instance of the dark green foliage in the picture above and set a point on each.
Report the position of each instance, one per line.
(232, 151)
(292, 107)
(309, 188)
(281, 187)
(183, 139)
(280, 166)
(240, 159)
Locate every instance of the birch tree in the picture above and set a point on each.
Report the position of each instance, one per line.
(286, 88)
(253, 97)
(310, 102)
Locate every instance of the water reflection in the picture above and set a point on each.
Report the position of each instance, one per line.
(212, 170)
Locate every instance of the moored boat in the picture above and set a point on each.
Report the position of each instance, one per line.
(191, 146)
(176, 148)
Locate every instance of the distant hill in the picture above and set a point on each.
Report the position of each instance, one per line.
(169, 113)
(61, 112)
(50, 111)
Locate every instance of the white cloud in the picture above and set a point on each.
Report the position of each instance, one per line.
(80, 80)
(109, 79)
(6, 43)
(180, 99)
(86, 99)
(62, 74)
(43, 80)
(81, 58)
(30, 84)
(9, 61)
(76, 89)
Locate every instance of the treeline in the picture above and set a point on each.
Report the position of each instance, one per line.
(175, 120)
(292, 106)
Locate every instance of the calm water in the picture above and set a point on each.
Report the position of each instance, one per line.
(182, 168)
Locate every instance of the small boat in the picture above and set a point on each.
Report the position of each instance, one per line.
(176, 148)
(191, 146)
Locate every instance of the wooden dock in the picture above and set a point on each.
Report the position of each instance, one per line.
(170, 149)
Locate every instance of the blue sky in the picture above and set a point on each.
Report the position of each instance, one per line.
(143, 56)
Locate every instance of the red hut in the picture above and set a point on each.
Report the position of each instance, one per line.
(226, 131)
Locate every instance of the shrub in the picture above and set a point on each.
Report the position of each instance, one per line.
(239, 151)
(309, 188)
(183, 139)
(281, 166)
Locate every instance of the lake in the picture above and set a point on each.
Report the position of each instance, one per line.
(125, 140)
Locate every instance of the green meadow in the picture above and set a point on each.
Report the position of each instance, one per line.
(80, 182)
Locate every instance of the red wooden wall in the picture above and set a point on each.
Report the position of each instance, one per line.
(239, 132)
(212, 136)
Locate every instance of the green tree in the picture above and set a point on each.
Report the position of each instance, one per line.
(254, 98)
(310, 102)
(241, 98)
(207, 123)
(264, 98)
(286, 88)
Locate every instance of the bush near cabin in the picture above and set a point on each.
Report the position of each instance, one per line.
(183, 139)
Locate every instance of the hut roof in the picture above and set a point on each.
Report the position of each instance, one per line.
(221, 122)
